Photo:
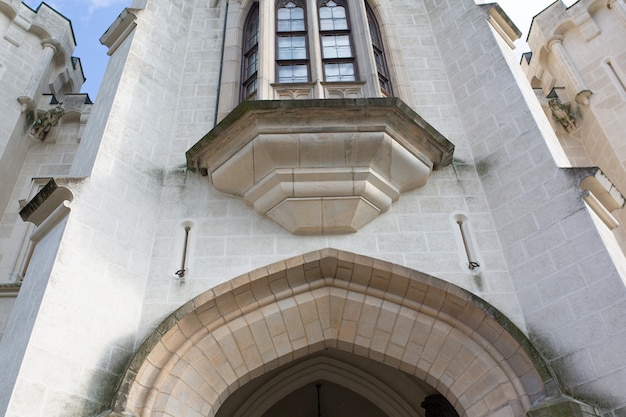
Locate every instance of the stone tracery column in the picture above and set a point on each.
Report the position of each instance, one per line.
(555, 46)
(50, 49)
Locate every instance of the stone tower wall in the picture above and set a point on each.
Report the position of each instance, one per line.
(542, 262)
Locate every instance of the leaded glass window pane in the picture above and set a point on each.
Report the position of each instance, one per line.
(293, 73)
(333, 17)
(290, 18)
(251, 63)
(337, 72)
(336, 46)
(250, 59)
(291, 48)
(379, 53)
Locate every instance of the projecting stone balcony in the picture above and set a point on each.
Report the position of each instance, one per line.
(320, 166)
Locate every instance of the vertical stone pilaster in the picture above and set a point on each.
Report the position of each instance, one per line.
(555, 46)
(50, 49)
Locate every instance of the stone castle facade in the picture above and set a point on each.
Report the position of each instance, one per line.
(314, 208)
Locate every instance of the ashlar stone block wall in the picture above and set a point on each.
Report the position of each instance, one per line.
(570, 293)
(113, 280)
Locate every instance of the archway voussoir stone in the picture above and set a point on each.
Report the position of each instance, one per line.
(490, 331)
(328, 266)
(519, 363)
(189, 325)
(227, 306)
(293, 322)
(163, 350)
(366, 324)
(411, 356)
(309, 311)
(261, 290)
(347, 331)
(209, 315)
(359, 276)
(148, 373)
(329, 299)
(403, 326)
(344, 271)
(222, 289)
(282, 343)
(279, 284)
(296, 277)
(479, 408)
(534, 385)
(393, 355)
(299, 346)
(416, 292)
(397, 285)
(434, 298)
(244, 298)
(351, 312)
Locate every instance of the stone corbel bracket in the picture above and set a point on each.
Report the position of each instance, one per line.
(503, 25)
(602, 197)
(123, 26)
(320, 166)
(47, 208)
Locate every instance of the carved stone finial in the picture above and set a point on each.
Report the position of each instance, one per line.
(561, 113)
(46, 122)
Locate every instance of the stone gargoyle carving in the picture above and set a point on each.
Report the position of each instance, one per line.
(561, 113)
(46, 122)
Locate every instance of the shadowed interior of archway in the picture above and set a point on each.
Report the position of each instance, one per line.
(330, 383)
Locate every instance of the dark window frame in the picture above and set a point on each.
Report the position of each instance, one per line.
(380, 58)
(292, 34)
(341, 32)
(250, 50)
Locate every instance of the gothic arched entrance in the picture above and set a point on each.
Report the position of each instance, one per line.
(340, 318)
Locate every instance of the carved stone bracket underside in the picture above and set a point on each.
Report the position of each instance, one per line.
(320, 166)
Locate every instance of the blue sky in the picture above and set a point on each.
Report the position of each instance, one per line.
(91, 18)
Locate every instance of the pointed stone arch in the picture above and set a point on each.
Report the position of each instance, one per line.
(405, 319)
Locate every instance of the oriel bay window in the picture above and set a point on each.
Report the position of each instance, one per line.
(305, 49)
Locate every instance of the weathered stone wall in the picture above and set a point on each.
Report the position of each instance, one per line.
(569, 290)
(541, 261)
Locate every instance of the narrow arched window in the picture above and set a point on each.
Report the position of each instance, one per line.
(379, 53)
(337, 54)
(292, 58)
(250, 61)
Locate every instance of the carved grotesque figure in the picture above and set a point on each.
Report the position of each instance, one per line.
(46, 122)
(561, 113)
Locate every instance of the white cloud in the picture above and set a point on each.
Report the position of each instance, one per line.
(103, 4)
